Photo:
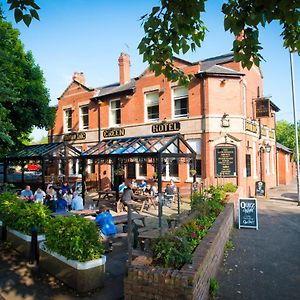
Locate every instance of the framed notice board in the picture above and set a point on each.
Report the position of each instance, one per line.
(248, 213)
(225, 161)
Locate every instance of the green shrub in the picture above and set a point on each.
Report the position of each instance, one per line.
(75, 238)
(19, 215)
(213, 287)
(230, 188)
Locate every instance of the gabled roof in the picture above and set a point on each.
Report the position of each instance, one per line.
(216, 70)
(284, 148)
(216, 60)
(77, 82)
(115, 89)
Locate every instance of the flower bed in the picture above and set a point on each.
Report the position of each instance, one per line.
(72, 252)
(185, 259)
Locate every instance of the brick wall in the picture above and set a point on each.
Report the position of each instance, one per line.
(192, 281)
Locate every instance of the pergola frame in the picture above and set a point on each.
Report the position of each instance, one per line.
(40, 153)
(155, 147)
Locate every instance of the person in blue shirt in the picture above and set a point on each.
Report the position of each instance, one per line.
(27, 194)
(142, 185)
(65, 187)
(77, 202)
(108, 229)
(122, 186)
(61, 203)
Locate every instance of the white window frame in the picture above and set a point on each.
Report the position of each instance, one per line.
(111, 123)
(179, 98)
(66, 128)
(147, 119)
(81, 123)
(137, 172)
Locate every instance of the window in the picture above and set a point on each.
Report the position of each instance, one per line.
(173, 168)
(152, 106)
(68, 120)
(143, 169)
(180, 96)
(197, 167)
(115, 112)
(248, 165)
(131, 170)
(84, 117)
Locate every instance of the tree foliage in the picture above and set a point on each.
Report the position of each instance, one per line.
(176, 26)
(285, 134)
(24, 100)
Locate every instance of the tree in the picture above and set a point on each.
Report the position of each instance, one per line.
(285, 134)
(24, 100)
(175, 26)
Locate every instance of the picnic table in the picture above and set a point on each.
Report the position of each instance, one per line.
(105, 195)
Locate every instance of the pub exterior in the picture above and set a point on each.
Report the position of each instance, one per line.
(222, 115)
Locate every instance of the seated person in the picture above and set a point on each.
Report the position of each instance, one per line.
(39, 196)
(50, 203)
(68, 196)
(134, 184)
(27, 194)
(108, 228)
(77, 202)
(170, 191)
(142, 185)
(126, 196)
(61, 203)
(147, 190)
(51, 192)
(122, 186)
(64, 187)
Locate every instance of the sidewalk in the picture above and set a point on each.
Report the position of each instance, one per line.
(265, 263)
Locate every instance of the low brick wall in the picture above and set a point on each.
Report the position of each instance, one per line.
(192, 281)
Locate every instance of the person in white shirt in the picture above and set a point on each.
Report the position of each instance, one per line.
(77, 202)
(39, 196)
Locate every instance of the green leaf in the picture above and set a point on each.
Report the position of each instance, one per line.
(18, 15)
(34, 14)
(27, 19)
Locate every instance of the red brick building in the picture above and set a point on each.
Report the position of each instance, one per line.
(216, 114)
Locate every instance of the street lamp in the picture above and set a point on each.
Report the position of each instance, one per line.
(264, 148)
(295, 124)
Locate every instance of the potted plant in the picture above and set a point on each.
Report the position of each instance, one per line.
(73, 253)
(20, 218)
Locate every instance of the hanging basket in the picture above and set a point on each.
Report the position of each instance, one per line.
(119, 172)
(193, 172)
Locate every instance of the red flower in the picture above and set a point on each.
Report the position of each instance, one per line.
(194, 235)
(201, 227)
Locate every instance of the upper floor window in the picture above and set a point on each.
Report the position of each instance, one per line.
(152, 106)
(84, 117)
(115, 112)
(68, 120)
(180, 96)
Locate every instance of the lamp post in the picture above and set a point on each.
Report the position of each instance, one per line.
(295, 124)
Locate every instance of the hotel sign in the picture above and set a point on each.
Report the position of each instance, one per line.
(263, 108)
(249, 126)
(166, 127)
(225, 161)
(113, 132)
(73, 136)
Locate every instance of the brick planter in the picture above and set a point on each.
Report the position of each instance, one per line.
(82, 277)
(21, 242)
(193, 280)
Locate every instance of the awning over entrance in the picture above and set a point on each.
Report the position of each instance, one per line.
(145, 146)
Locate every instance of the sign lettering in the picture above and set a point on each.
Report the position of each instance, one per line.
(225, 161)
(73, 136)
(249, 126)
(166, 127)
(248, 213)
(263, 108)
(113, 132)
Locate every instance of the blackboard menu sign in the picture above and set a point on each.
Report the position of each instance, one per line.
(248, 213)
(260, 188)
(225, 161)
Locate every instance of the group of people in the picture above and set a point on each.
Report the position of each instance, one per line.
(63, 199)
(128, 192)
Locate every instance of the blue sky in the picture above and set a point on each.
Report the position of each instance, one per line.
(88, 36)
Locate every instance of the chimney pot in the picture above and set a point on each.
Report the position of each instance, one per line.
(124, 68)
(79, 77)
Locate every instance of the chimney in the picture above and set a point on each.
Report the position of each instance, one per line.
(79, 77)
(124, 68)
